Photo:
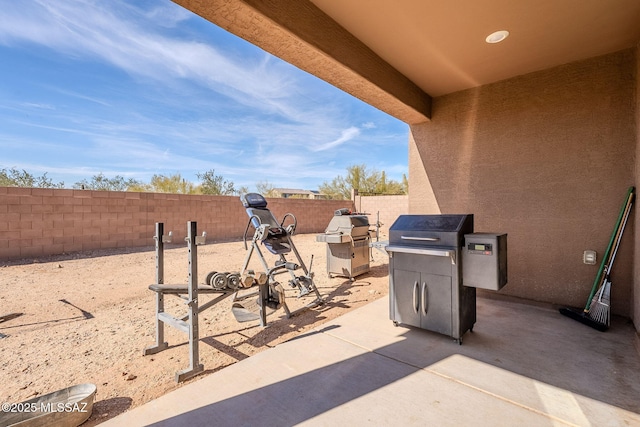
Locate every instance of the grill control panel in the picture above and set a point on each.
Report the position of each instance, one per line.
(484, 261)
(480, 248)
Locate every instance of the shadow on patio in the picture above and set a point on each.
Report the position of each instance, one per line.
(523, 364)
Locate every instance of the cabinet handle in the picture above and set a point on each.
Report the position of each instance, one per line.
(421, 239)
(425, 303)
(415, 297)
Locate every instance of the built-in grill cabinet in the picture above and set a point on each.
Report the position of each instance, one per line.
(425, 274)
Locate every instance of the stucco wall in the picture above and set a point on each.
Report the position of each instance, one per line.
(36, 222)
(636, 293)
(547, 158)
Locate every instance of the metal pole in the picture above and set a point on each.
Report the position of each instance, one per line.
(160, 343)
(194, 361)
(159, 253)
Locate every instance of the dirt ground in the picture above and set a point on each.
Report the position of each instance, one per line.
(86, 318)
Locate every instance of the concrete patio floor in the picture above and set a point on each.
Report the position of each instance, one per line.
(522, 365)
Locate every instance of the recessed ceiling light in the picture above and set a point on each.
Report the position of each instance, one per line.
(497, 37)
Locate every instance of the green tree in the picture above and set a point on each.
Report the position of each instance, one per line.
(266, 189)
(363, 179)
(101, 183)
(216, 184)
(174, 184)
(21, 178)
(385, 186)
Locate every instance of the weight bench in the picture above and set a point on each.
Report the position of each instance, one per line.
(179, 289)
(189, 293)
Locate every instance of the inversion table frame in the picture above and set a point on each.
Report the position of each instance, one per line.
(277, 238)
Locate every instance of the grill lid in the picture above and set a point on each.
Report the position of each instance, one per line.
(430, 230)
(353, 225)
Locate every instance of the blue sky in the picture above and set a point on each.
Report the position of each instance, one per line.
(137, 88)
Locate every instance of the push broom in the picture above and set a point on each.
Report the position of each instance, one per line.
(596, 312)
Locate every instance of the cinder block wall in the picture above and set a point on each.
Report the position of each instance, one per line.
(389, 208)
(36, 222)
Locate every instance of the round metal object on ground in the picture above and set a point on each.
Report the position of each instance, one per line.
(219, 281)
(210, 275)
(78, 396)
(233, 281)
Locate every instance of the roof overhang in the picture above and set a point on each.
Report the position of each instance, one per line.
(396, 55)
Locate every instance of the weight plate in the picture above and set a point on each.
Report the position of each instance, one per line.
(210, 275)
(233, 281)
(219, 281)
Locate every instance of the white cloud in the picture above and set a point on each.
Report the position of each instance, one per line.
(193, 106)
(121, 35)
(38, 106)
(345, 136)
(90, 29)
(78, 95)
(167, 15)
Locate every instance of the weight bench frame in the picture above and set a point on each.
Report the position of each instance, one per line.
(189, 322)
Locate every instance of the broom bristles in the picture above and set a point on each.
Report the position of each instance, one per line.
(599, 309)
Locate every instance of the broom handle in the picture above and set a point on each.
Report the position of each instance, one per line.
(607, 260)
(616, 242)
(618, 239)
(607, 255)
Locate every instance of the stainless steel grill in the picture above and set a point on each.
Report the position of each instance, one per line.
(425, 274)
(348, 244)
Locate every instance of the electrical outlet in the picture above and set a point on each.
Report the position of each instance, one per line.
(589, 257)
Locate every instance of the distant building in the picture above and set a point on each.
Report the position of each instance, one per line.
(297, 193)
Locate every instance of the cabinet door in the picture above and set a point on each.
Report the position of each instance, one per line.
(435, 303)
(406, 291)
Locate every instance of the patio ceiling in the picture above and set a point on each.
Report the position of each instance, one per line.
(396, 55)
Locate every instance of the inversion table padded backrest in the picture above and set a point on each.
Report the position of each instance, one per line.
(276, 238)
